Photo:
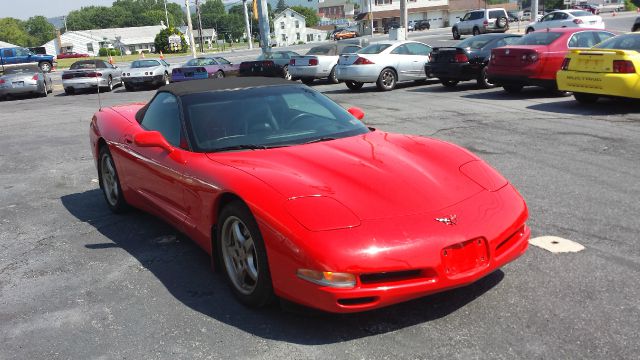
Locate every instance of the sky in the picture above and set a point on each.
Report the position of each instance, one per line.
(24, 9)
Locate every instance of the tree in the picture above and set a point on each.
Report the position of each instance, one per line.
(281, 6)
(13, 31)
(311, 18)
(40, 29)
(161, 41)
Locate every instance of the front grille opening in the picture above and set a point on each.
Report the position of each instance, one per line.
(391, 276)
(357, 301)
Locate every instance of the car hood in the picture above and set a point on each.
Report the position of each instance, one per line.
(375, 175)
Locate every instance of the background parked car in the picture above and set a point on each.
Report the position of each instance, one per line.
(480, 22)
(320, 61)
(204, 67)
(19, 57)
(422, 25)
(466, 60)
(385, 63)
(146, 72)
(536, 58)
(273, 64)
(567, 19)
(71, 55)
(91, 74)
(27, 80)
(636, 25)
(608, 69)
(390, 25)
(345, 34)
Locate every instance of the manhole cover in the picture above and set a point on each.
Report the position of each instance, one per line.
(556, 244)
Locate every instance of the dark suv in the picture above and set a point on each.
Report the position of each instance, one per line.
(391, 25)
(636, 25)
(421, 25)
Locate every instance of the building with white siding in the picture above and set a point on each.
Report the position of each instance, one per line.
(6, 45)
(129, 40)
(385, 11)
(289, 27)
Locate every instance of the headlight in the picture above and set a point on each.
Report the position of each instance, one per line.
(328, 278)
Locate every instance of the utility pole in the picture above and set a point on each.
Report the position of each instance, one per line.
(199, 26)
(403, 18)
(246, 23)
(371, 17)
(166, 14)
(192, 42)
(534, 10)
(263, 19)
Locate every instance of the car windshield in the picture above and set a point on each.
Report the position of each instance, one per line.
(200, 62)
(83, 65)
(320, 50)
(476, 42)
(264, 117)
(374, 49)
(538, 38)
(580, 13)
(144, 64)
(621, 42)
(272, 56)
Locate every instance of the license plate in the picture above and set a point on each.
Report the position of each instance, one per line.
(465, 257)
(18, 84)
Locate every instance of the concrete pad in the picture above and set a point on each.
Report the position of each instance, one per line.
(556, 244)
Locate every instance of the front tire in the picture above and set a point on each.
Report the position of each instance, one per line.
(243, 255)
(285, 73)
(353, 85)
(109, 182)
(45, 66)
(219, 74)
(482, 81)
(476, 31)
(583, 98)
(387, 80)
(109, 84)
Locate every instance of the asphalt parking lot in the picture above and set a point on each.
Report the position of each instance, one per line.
(77, 282)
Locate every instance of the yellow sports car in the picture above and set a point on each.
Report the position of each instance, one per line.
(607, 69)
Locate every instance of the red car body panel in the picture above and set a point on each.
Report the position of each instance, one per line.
(410, 216)
(508, 67)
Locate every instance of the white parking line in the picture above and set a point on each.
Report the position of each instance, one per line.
(556, 244)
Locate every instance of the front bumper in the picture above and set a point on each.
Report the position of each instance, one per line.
(143, 80)
(416, 247)
(359, 73)
(606, 84)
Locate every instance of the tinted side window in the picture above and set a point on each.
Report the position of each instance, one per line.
(163, 115)
(418, 49)
(477, 15)
(350, 50)
(494, 14)
(584, 39)
(602, 36)
(7, 53)
(401, 50)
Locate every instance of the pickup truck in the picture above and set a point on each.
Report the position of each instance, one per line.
(320, 62)
(17, 57)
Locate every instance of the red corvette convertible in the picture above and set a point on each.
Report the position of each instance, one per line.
(535, 58)
(295, 197)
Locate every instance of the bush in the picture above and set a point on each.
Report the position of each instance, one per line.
(108, 52)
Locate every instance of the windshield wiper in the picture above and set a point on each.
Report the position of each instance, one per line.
(326, 138)
(241, 147)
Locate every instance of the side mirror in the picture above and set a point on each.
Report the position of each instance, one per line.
(357, 112)
(152, 139)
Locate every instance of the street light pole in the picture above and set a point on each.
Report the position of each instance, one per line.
(246, 23)
(265, 35)
(166, 14)
(192, 42)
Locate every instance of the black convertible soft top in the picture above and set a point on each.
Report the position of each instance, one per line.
(205, 85)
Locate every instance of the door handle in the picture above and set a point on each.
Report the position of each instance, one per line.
(128, 138)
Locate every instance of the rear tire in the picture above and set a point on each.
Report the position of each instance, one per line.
(476, 31)
(219, 74)
(585, 98)
(244, 256)
(44, 92)
(512, 89)
(455, 33)
(45, 66)
(109, 84)
(285, 73)
(332, 76)
(354, 85)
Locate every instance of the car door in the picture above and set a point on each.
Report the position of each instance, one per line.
(152, 172)
(545, 22)
(403, 60)
(562, 19)
(463, 25)
(421, 54)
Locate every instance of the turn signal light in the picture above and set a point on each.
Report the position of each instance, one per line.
(577, 21)
(363, 61)
(565, 64)
(328, 278)
(623, 67)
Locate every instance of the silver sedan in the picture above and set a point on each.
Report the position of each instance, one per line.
(25, 80)
(385, 63)
(91, 74)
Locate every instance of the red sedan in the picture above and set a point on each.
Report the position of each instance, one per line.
(535, 59)
(71, 55)
(294, 197)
